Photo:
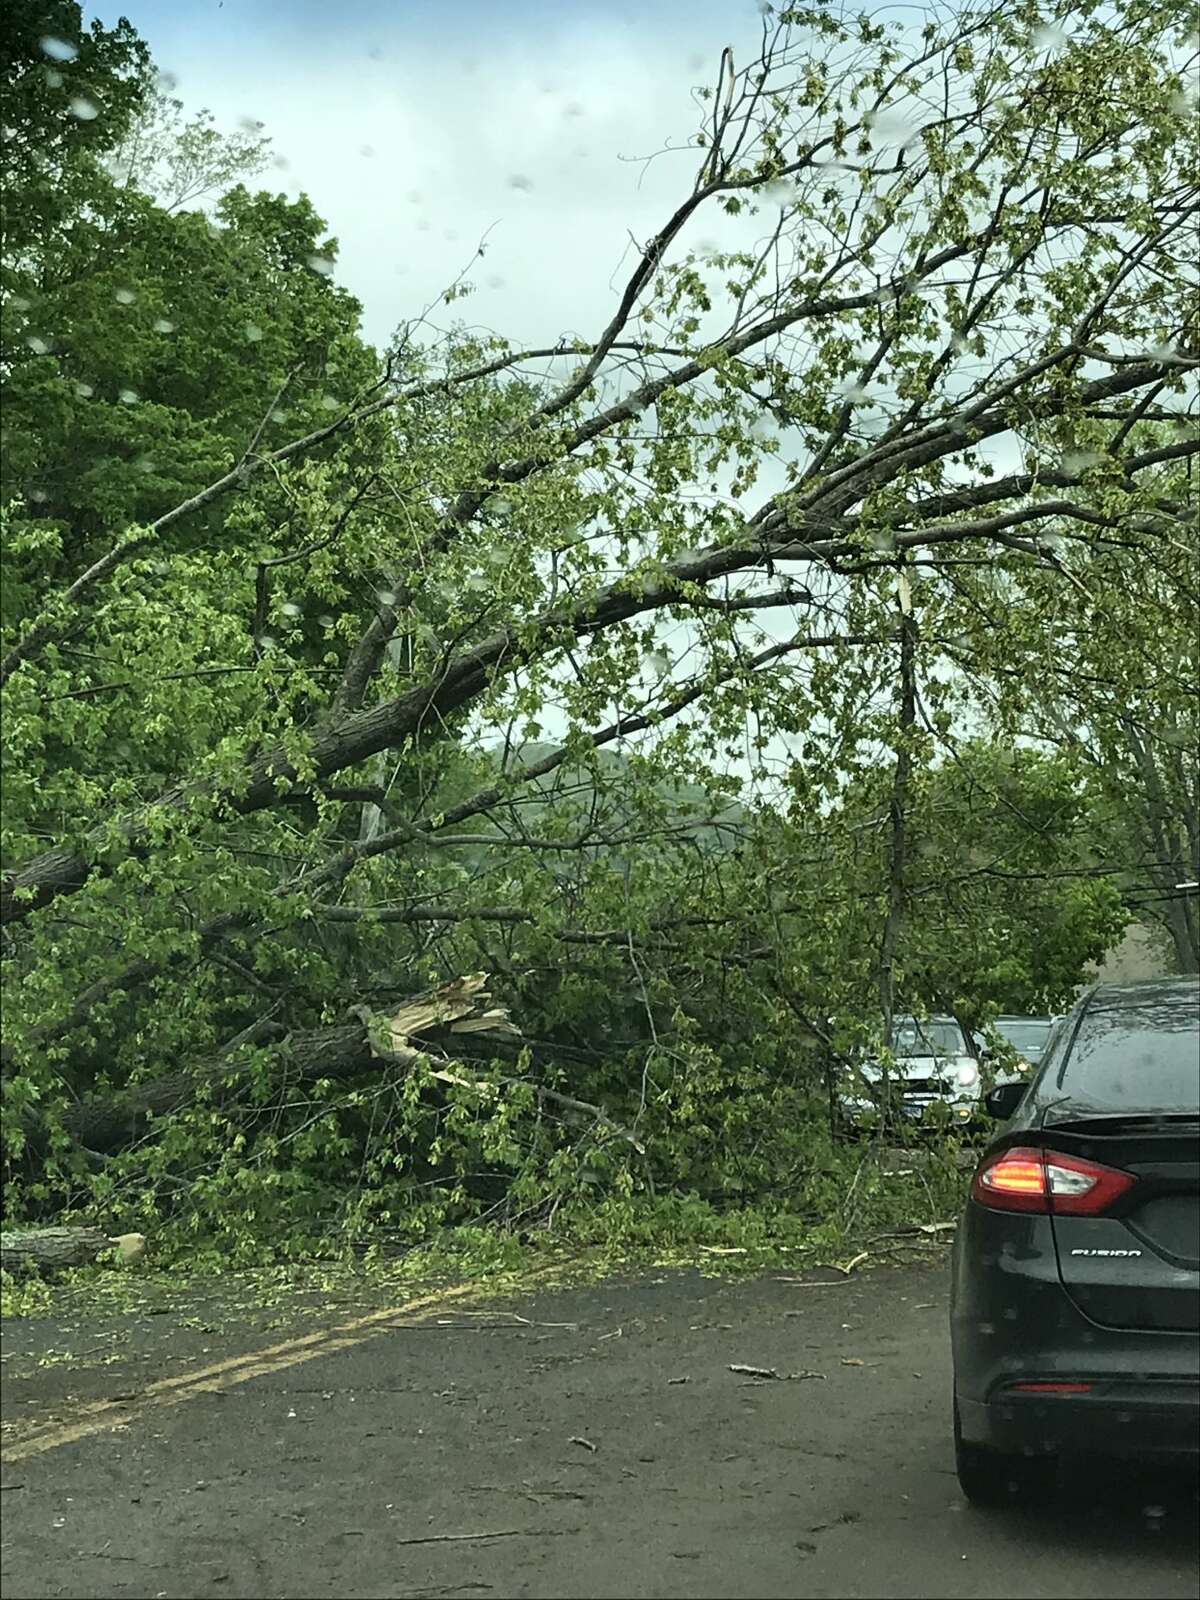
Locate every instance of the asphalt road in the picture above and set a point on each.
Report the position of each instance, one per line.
(584, 1443)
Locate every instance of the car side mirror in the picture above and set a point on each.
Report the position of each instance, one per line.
(1004, 1099)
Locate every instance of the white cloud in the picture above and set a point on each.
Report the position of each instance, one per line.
(533, 143)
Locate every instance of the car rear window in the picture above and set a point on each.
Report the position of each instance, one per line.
(1024, 1035)
(1136, 1060)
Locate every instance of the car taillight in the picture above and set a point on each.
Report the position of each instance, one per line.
(1026, 1179)
(1050, 1388)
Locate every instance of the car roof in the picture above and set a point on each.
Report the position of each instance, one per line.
(1182, 994)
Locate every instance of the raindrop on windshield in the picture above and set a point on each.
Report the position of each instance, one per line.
(40, 347)
(330, 402)
(125, 297)
(521, 182)
(53, 77)
(1050, 36)
(253, 332)
(290, 609)
(128, 397)
(895, 125)
(162, 325)
(322, 265)
(367, 150)
(57, 49)
(83, 109)
(84, 391)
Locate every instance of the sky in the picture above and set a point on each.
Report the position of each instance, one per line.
(418, 129)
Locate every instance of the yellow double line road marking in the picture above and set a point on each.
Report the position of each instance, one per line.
(101, 1416)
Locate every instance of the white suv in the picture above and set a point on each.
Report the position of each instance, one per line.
(934, 1066)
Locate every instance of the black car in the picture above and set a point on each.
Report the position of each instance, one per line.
(1028, 1036)
(1075, 1308)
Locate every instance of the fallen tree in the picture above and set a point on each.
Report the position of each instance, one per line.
(51, 1249)
(265, 656)
(457, 1022)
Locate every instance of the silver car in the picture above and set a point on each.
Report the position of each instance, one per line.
(934, 1078)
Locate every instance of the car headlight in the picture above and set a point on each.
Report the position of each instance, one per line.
(967, 1075)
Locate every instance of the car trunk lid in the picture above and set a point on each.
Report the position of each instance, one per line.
(1137, 1266)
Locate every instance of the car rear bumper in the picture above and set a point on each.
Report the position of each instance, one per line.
(1132, 1420)
(918, 1112)
(1012, 1323)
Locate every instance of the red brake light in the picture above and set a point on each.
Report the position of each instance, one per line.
(1052, 1388)
(1027, 1179)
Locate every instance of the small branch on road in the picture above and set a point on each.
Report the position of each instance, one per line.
(462, 1538)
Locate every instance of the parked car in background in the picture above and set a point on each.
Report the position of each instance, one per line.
(934, 1078)
(1028, 1036)
(1075, 1304)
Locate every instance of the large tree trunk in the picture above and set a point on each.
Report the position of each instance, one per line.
(442, 1022)
(51, 1247)
(108, 1122)
(1170, 834)
(42, 1249)
(893, 925)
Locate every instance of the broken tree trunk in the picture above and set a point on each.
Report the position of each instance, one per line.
(39, 1249)
(458, 1018)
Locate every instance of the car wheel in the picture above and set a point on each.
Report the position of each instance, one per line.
(995, 1478)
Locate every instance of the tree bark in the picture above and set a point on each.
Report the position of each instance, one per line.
(898, 822)
(43, 1248)
(1167, 834)
(109, 1122)
(458, 1019)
